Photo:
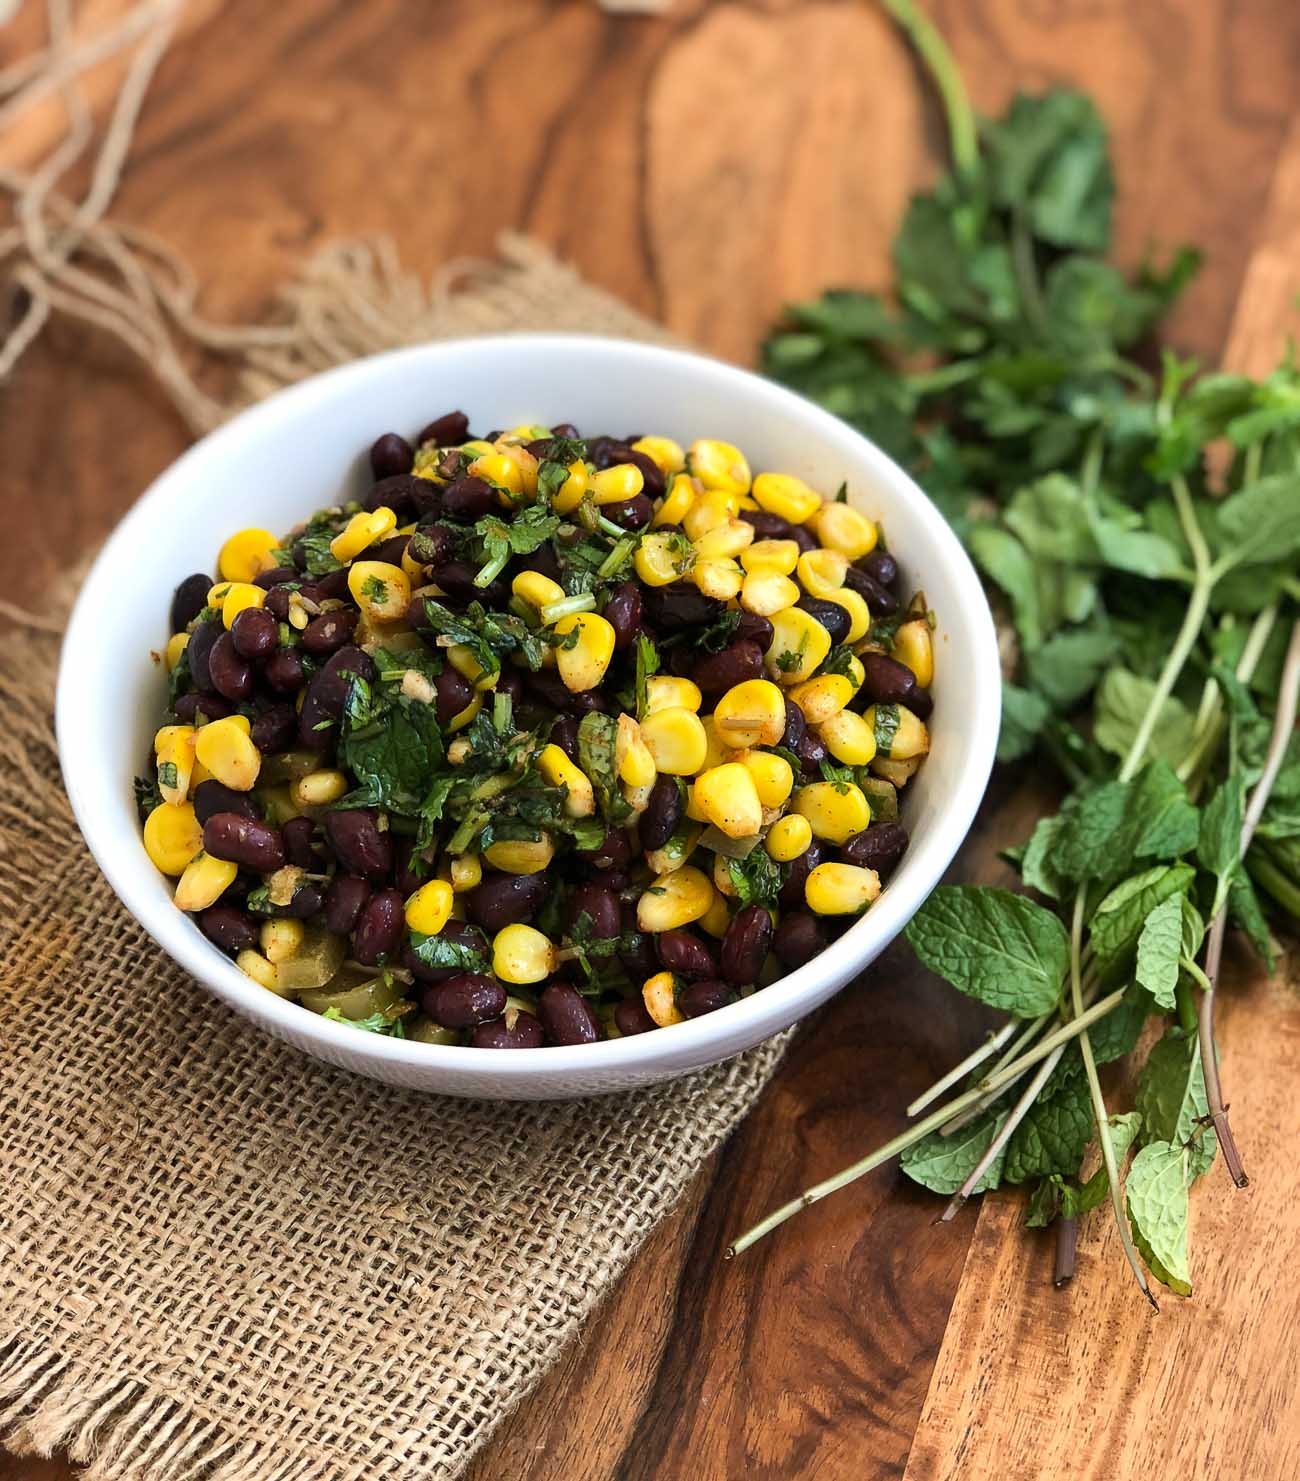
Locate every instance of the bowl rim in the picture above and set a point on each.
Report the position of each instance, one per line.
(761, 1014)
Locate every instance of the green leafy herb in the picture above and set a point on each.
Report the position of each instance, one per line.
(375, 1023)
(443, 952)
(597, 734)
(147, 795)
(647, 665)
(757, 877)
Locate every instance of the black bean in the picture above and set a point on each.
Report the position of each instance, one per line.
(228, 927)
(503, 899)
(211, 798)
(737, 662)
(457, 579)
(631, 1017)
(331, 584)
(463, 1000)
(662, 814)
(565, 429)
(604, 452)
(525, 1033)
(411, 869)
(921, 704)
(612, 851)
(811, 752)
(211, 706)
(359, 843)
(566, 1015)
(285, 671)
(803, 538)
(390, 455)
(880, 566)
(623, 613)
(232, 676)
(254, 633)
(767, 526)
(699, 998)
(630, 514)
(637, 951)
(448, 430)
(398, 494)
(328, 632)
(877, 847)
(248, 842)
(796, 727)
(543, 560)
(277, 601)
(546, 688)
(600, 904)
(745, 946)
(456, 931)
(587, 701)
(276, 576)
(885, 680)
(651, 473)
(378, 931)
(510, 681)
(189, 599)
(275, 729)
(431, 545)
(685, 955)
(564, 733)
(880, 601)
(326, 694)
(467, 499)
(679, 605)
(389, 551)
(791, 896)
(297, 834)
(454, 691)
(755, 629)
(831, 615)
(344, 901)
(798, 938)
(197, 651)
(307, 901)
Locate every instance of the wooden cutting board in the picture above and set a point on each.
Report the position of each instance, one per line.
(707, 166)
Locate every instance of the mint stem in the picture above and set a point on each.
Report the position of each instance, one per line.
(1067, 1241)
(933, 51)
(991, 1045)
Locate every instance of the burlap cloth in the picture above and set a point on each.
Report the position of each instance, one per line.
(221, 1259)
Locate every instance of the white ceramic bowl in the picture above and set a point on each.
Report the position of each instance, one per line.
(275, 464)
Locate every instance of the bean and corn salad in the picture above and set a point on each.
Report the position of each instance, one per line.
(546, 740)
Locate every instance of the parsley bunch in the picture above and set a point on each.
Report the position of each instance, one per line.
(1139, 527)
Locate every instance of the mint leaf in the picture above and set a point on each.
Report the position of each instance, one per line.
(1159, 1211)
(597, 735)
(1117, 922)
(1219, 845)
(992, 945)
(1171, 1099)
(1066, 668)
(943, 1163)
(1122, 700)
(1117, 1034)
(1123, 1133)
(1165, 823)
(1261, 522)
(1038, 866)
(1024, 714)
(1158, 950)
(1057, 1129)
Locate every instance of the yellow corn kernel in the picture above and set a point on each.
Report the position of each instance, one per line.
(692, 809)
(718, 750)
(720, 580)
(556, 767)
(822, 572)
(781, 556)
(728, 798)
(663, 452)
(500, 471)
(750, 714)
(840, 889)
(710, 511)
(521, 855)
(675, 852)
(659, 994)
(719, 465)
(835, 810)
(281, 939)
(786, 495)
(717, 917)
(638, 798)
(856, 673)
(841, 527)
(462, 659)
(822, 697)
(859, 613)
(522, 954)
(899, 734)
(172, 837)
(361, 531)
(466, 873)
(788, 838)
(674, 900)
(660, 558)
(412, 567)
(264, 972)
(896, 773)
(176, 645)
(237, 597)
(246, 554)
(318, 788)
(632, 757)
(429, 908)
(524, 432)
(459, 722)
(204, 882)
(174, 748)
(662, 692)
(583, 666)
(725, 542)
(537, 590)
(614, 485)
(722, 881)
(573, 490)
(681, 494)
(848, 738)
(382, 591)
(526, 463)
(772, 774)
(676, 740)
(768, 592)
(799, 646)
(224, 748)
(914, 646)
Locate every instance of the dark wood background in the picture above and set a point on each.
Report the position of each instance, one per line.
(708, 165)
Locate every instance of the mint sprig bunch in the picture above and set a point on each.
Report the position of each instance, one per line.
(1138, 524)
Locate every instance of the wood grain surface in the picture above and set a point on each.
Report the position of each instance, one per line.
(708, 165)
